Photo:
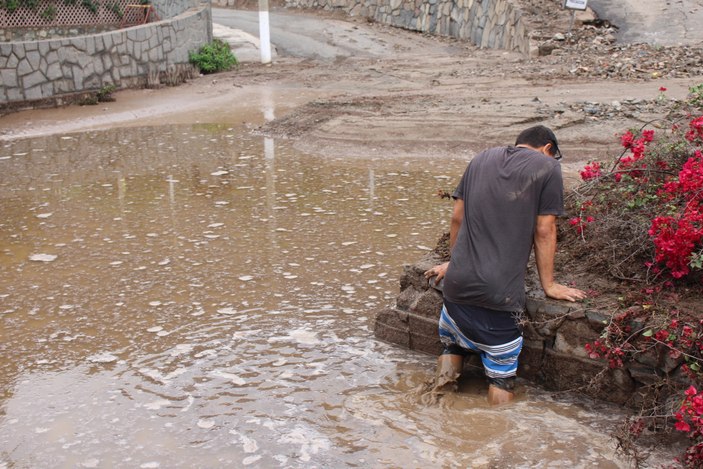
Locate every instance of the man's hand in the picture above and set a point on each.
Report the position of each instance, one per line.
(562, 292)
(438, 271)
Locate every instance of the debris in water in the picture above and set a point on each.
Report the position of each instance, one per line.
(205, 423)
(104, 357)
(230, 376)
(43, 257)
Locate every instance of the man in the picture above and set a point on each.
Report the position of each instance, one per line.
(506, 203)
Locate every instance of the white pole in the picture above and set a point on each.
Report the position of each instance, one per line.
(264, 35)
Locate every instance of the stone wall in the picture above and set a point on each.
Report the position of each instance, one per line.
(553, 352)
(46, 69)
(493, 24)
(172, 8)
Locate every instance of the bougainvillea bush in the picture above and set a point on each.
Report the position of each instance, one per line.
(639, 220)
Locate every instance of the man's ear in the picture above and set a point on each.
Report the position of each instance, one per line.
(546, 149)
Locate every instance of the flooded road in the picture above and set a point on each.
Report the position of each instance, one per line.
(196, 296)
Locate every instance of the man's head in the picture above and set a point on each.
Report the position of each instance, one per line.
(540, 138)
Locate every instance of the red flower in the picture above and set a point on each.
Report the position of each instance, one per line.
(662, 89)
(627, 139)
(682, 426)
(591, 171)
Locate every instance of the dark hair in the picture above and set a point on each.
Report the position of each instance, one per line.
(539, 136)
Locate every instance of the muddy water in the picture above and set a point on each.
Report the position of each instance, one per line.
(193, 297)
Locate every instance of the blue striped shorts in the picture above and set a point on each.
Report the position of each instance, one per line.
(499, 361)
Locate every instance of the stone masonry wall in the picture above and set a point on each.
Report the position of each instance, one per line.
(553, 352)
(492, 24)
(37, 70)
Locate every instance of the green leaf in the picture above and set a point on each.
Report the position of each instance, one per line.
(648, 333)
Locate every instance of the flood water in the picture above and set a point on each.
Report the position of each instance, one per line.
(197, 296)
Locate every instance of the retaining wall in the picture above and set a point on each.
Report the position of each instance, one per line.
(135, 56)
(493, 24)
(553, 352)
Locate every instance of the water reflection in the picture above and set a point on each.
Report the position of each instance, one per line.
(195, 297)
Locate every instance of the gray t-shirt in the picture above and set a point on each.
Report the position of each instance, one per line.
(504, 190)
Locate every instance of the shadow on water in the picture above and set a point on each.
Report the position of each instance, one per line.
(194, 297)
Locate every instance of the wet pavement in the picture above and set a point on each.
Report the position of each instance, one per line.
(198, 296)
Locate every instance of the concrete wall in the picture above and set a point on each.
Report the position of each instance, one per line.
(553, 352)
(38, 70)
(493, 24)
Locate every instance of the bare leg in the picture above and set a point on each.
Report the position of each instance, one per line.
(449, 369)
(498, 396)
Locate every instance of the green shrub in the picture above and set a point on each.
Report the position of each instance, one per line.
(213, 57)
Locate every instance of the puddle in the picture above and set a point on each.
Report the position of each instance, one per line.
(193, 297)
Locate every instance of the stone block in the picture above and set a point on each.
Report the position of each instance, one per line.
(98, 65)
(423, 326)
(68, 55)
(156, 55)
(544, 324)
(79, 43)
(107, 62)
(392, 317)
(52, 57)
(572, 336)
(34, 58)
(8, 78)
(428, 304)
(530, 361)
(15, 94)
(5, 49)
(394, 336)
(78, 77)
(43, 48)
(12, 61)
(24, 68)
(92, 82)
(597, 320)
(47, 89)
(407, 298)
(108, 42)
(64, 86)
(425, 343)
(33, 80)
(563, 372)
(18, 49)
(33, 93)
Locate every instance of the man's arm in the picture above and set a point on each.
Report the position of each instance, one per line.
(457, 219)
(545, 248)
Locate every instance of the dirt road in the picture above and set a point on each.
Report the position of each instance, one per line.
(400, 93)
